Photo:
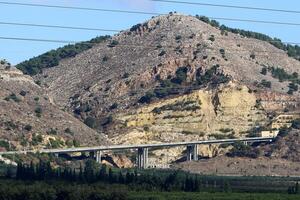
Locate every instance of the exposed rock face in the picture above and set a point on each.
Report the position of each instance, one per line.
(194, 116)
(26, 113)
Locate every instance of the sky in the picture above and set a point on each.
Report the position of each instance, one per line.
(18, 51)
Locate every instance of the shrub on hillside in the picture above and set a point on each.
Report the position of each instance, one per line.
(241, 150)
(35, 65)
(90, 122)
(296, 124)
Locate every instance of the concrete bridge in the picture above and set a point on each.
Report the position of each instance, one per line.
(142, 149)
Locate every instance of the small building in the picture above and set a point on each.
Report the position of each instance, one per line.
(272, 133)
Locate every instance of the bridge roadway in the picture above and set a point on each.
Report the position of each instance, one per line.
(142, 157)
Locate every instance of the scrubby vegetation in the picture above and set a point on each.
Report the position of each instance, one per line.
(13, 97)
(292, 51)
(90, 122)
(173, 85)
(242, 150)
(38, 111)
(179, 106)
(51, 59)
(296, 124)
(265, 83)
(4, 144)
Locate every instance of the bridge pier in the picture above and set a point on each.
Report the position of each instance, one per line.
(95, 155)
(142, 158)
(98, 157)
(192, 152)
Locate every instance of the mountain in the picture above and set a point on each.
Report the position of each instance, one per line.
(28, 118)
(173, 78)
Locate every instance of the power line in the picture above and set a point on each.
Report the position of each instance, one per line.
(57, 26)
(256, 21)
(152, 13)
(114, 30)
(148, 13)
(131, 45)
(228, 6)
(78, 8)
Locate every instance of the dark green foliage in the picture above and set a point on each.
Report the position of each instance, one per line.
(36, 99)
(135, 27)
(147, 97)
(265, 83)
(10, 125)
(292, 51)
(28, 127)
(113, 43)
(211, 76)
(91, 181)
(23, 93)
(90, 122)
(106, 121)
(76, 143)
(13, 97)
(4, 144)
(84, 107)
(52, 131)
(241, 150)
(163, 52)
(292, 88)
(36, 139)
(38, 111)
(113, 106)
(126, 75)
(55, 143)
(38, 82)
(222, 51)
(264, 71)
(212, 38)
(52, 58)
(283, 132)
(69, 131)
(178, 106)
(296, 124)
(178, 37)
(105, 58)
(181, 75)
(282, 75)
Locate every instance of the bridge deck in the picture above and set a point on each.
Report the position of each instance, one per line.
(136, 146)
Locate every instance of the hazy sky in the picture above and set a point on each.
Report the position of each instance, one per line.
(17, 51)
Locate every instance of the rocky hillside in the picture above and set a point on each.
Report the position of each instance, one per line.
(172, 78)
(28, 119)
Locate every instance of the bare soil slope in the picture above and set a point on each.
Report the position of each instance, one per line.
(29, 119)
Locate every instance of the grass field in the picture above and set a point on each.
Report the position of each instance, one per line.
(209, 196)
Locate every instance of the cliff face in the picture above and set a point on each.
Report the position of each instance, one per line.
(231, 109)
